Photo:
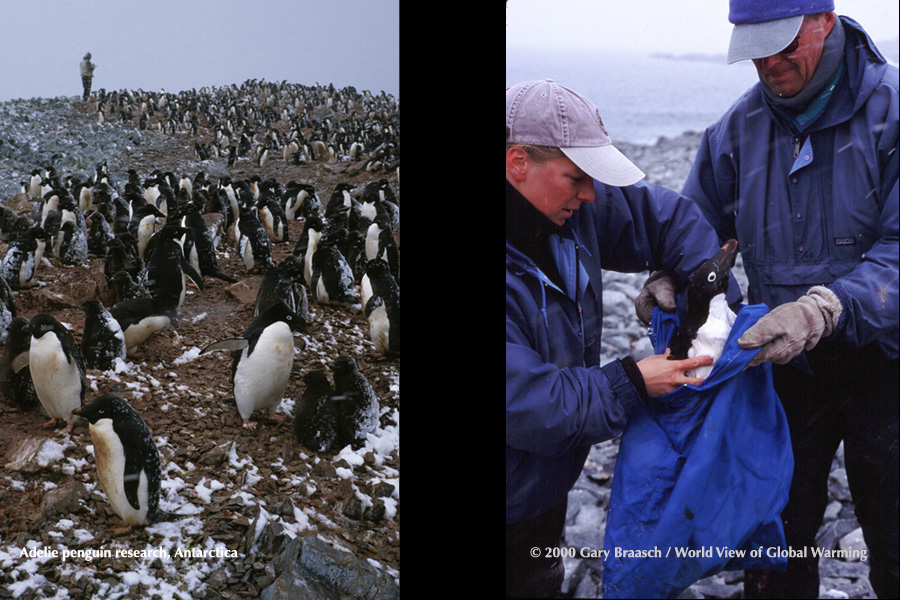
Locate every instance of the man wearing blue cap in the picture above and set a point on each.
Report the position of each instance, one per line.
(803, 171)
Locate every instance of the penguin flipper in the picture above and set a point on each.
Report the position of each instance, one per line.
(191, 272)
(227, 344)
(20, 362)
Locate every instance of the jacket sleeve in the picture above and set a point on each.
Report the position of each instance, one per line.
(869, 293)
(647, 227)
(551, 410)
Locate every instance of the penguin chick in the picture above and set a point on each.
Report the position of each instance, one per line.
(262, 361)
(23, 257)
(57, 370)
(709, 281)
(15, 379)
(315, 415)
(357, 407)
(103, 339)
(127, 460)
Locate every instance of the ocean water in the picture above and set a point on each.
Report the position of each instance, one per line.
(640, 97)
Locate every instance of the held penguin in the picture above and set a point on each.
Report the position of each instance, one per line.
(708, 319)
(57, 370)
(127, 460)
(262, 361)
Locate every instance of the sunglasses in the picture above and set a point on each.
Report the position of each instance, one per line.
(792, 47)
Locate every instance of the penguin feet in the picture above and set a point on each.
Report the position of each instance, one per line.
(251, 425)
(276, 417)
(124, 530)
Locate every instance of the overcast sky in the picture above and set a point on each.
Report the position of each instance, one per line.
(183, 44)
(657, 25)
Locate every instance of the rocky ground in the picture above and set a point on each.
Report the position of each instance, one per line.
(241, 496)
(668, 163)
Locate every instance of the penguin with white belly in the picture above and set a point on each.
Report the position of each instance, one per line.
(127, 460)
(262, 361)
(57, 370)
(708, 319)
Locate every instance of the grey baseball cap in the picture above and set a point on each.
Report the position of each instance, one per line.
(759, 40)
(544, 113)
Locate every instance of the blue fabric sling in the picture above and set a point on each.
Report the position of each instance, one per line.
(704, 471)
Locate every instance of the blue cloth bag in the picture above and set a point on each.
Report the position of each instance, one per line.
(705, 469)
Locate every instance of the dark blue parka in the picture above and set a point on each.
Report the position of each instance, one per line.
(559, 401)
(825, 216)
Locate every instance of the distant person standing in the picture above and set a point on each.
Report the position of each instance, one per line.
(87, 74)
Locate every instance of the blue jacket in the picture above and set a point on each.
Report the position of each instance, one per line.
(559, 401)
(825, 216)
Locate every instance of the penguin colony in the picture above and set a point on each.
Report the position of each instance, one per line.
(157, 234)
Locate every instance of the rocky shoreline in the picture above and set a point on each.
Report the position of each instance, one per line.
(668, 163)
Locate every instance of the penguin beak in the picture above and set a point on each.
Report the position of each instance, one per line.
(77, 411)
(726, 255)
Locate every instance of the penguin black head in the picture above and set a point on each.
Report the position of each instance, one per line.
(41, 324)
(279, 312)
(107, 406)
(711, 278)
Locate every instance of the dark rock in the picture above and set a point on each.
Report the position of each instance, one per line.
(310, 568)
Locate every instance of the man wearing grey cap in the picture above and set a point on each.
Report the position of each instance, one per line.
(802, 170)
(574, 206)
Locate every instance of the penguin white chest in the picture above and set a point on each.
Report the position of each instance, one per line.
(109, 455)
(711, 337)
(380, 328)
(261, 378)
(57, 381)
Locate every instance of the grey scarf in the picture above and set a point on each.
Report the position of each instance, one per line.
(832, 54)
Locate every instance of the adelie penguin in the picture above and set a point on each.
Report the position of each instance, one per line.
(382, 309)
(262, 361)
(127, 460)
(15, 375)
(103, 340)
(57, 370)
(357, 405)
(315, 414)
(23, 257)
(707, 318)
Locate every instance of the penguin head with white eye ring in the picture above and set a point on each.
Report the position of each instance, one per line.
(102, 407)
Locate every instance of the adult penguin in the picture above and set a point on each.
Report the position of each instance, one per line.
(167, 268)
(127, 460)
(263, 357)
(332, 279)
(57, 370)
(382, 309)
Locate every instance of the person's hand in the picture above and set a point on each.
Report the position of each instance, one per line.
(662, 375)
(794, 327)
(658, 290)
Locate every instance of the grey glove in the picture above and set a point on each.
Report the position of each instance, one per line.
(794, 327)
(659, 290)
